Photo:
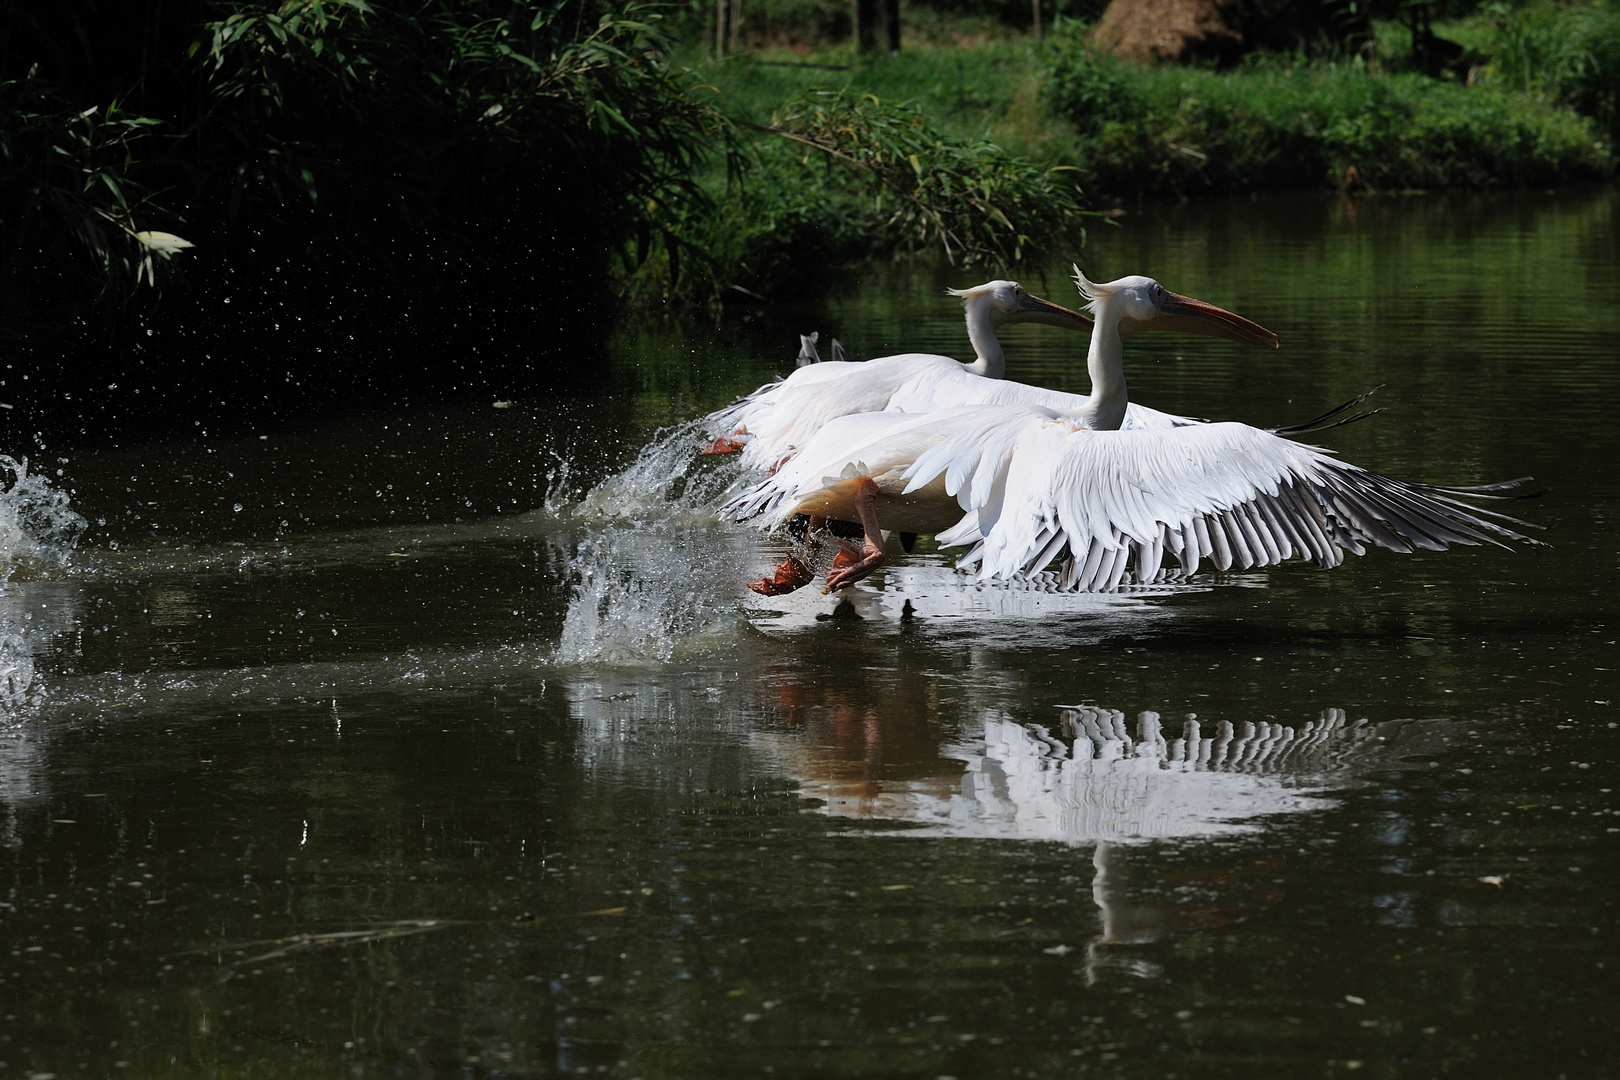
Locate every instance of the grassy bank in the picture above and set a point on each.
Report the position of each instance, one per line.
(1534, 103)
(1280, 126)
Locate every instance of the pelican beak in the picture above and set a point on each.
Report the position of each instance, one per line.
(1184, 315)
(1032, 309)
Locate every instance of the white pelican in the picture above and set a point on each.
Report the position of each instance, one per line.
(771, 423)
(1021, 485)
(767, 424)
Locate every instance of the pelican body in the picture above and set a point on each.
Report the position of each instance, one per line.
(774, 421)
(778, 417)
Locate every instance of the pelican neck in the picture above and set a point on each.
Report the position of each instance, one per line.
(989, 360)
(1105, 363)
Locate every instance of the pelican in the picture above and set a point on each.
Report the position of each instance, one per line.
(770, 424)
(767, 424)
(1022, 485)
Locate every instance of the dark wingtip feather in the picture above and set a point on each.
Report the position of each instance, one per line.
(1320, 423)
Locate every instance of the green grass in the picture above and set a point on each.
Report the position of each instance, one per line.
(1278, 123)
(1288, 126)
(985, 90)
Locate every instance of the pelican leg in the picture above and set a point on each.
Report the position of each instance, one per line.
(853, 563)
(793, 573)
(722, 445)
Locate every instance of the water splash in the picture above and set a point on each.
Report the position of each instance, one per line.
(19, 688)
(655, 572)
(647, 590)
(667, 475)
(36, 524)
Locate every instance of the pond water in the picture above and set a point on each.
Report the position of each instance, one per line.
(375, 746)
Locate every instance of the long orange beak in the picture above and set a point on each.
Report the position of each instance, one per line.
(1033, 309)
(1184, 315)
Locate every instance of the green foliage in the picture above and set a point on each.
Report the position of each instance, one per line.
(971, 199)
(422, 99)
(836, 177)
(1291, 125)
(72, 166)
(1570, 52)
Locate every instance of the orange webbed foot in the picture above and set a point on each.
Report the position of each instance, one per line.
(851, 564)
(791, 574)
(722, 445)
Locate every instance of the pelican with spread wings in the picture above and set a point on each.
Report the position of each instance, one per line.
(1022, 486)
(776, 420)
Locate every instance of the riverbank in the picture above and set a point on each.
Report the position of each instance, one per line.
(1274, 124)
(1282, 126)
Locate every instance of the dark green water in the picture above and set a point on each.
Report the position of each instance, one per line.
(343, 752)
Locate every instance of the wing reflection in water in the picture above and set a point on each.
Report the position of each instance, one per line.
(1094, 781)
(1089, 780)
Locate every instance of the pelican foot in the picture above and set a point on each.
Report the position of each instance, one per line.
(722, 445)
(791, 574)
(851, 564)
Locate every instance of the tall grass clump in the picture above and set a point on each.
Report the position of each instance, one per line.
(836, 176)
(1287, 124)
(1570, 52)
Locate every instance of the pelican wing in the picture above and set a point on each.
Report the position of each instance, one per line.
(880, 445)
(977, 390)
(784, 416)
(1113, 502)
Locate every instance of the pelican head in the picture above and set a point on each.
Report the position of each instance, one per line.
(1140, 303)
(1006, 302)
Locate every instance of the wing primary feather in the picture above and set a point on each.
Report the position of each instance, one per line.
(1117, 567)
(1088, 572)
(1071, 572)
(1214, 537)
(1242, 556)
(1442, 524)
(1055, 539)
(1190, 553)
(1259, 537)
(1363, 519)
(1308, 517)
(1288, 537)
(1320, 423)
(1272, 512)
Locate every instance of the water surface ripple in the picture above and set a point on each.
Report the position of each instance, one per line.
(403, 745)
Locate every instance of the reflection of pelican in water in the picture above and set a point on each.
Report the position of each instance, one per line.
(1204, 896)
(1089, 780)
(1093, 781)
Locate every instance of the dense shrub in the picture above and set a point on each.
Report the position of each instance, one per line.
(835, 177)
(1292, 125)
(1569, 52)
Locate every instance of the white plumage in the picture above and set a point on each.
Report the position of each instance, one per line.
(777, 419)
(1023, 485)
(770, 423)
